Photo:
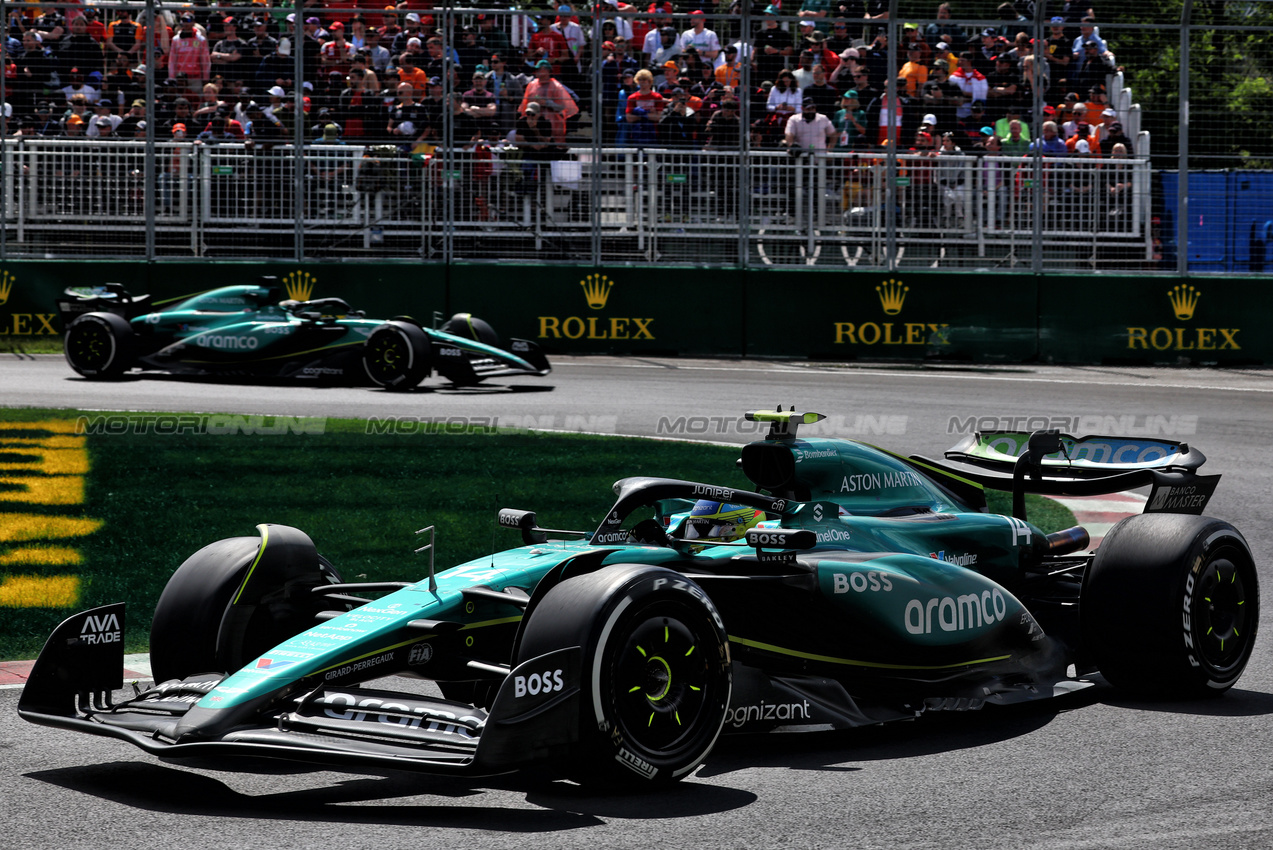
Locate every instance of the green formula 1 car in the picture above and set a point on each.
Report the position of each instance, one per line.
(853, 586)
(253, 332)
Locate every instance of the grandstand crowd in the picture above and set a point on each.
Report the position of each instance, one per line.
(671, 76)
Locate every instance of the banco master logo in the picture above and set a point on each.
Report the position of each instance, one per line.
(596, 291)
(892, 294)
(1184, 300)
(300, 285)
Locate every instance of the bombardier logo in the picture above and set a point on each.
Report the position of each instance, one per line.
(101, 629)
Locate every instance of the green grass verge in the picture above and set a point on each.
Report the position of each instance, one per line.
(360, 496)
(30, 344)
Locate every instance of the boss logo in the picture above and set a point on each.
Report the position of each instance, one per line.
(449, 352)
(538, 683)
(519, 345)
(767, 539)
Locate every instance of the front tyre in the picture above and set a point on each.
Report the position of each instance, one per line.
(1171, 605)
(468, 326)
(396, 356)
(100, 346)
(656, 672)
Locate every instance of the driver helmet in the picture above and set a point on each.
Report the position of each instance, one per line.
(719, 522)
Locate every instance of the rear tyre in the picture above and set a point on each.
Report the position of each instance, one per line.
(1171, 605)
(100, 346)
(468, 326)
(656, 674)
(186, 636)
(396, 356)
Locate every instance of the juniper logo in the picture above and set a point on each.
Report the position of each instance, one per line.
(1184, 300)
(596, 288)
(300, 285)
(6, 286)
(892, 296)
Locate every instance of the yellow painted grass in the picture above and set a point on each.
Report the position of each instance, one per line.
(45, 556)
(50, 461)
(39, 592)
(20, 528)
(50, 490)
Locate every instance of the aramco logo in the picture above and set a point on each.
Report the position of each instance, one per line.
(1184, 303)
(892, 294)
(596, 291)
(300, 285)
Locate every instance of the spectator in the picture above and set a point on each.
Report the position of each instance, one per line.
(357, 107)
(701, 38)
(555, 102)
(551, 42)
(678, 128)
(724, 129)
(136, 117)
(942, 97)
(378, 57)
(668, 49)
(1058, 49)
(810, 130)
(825, 96)
(338, 53)
(73, 127)
(80, 50)
(1014, 142)
(1088, 31)
(46, 122)
(1013, 114)
(670, 80)
(1050, 144)
(356, 33)
(277, 69)
(535, 136)
(189, 55)
(1078, 113)
(644, 111)
(261, 45)
(804, 69)
(181, 114)
(508, 91)
(407, 122)
(784, 98)
(1092, 72)
(479, 104)
(1001, 88)
(650, 32)
(494, 40)
(1115, 136)
(123, 36)
(971, 82)
(840, 40)
(33, 71)
(850, 121)
(729, 72)
(773, 46)
(470, 52)
(914, 72)
(77, 86)
(230, 51)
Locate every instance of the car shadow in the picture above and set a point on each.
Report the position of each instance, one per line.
(1233, 703)
(358, 799)
(939, 732)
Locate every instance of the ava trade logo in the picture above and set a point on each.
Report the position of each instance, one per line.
(596, 292)
(23, 324)
(1184, 301)
(892, 294)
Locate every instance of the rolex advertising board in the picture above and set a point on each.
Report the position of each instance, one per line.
(1155, 320)
(891, 316)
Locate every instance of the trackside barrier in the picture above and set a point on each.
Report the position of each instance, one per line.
(846, 315)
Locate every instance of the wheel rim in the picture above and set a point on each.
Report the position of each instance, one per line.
(1221, 615)
(92, 346)
(388, 357)
(662, 684)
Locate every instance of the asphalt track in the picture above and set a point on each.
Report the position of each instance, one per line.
(1091, 771)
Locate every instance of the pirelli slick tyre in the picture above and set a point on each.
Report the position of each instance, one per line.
(468, 326)
(100, 346)
(192, 631)
(1171, 605)
(396, 355)
(656, 674)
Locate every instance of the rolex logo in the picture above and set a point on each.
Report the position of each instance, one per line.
(300, 285)
(1184, 300)
(6, 286)
(892, 295)
(596, 288)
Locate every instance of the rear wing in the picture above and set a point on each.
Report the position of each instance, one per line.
(1053, 464)
(106, 298)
